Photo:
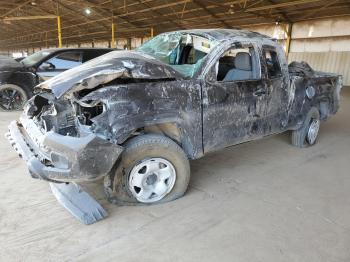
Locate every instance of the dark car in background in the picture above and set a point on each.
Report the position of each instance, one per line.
(17, 78)
(19, 59)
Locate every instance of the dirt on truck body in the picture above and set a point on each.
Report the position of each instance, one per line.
(137, 117)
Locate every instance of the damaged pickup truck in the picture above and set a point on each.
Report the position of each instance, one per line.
(136, 118)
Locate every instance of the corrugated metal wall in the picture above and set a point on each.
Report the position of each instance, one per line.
(323, 43)
(335, 62)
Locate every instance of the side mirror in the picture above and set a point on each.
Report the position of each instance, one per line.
(47, 66)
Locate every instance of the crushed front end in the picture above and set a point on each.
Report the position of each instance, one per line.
(56, 139)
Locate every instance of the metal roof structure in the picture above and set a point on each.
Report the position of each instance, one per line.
(30, 23)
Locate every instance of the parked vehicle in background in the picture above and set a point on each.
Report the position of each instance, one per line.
(17, 78)
(19, 59)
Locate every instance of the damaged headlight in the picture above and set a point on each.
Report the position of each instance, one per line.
(87, 109)
(86, 113)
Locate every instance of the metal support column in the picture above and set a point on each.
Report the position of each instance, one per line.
(289, 37)
(113, 43)
(59, 31)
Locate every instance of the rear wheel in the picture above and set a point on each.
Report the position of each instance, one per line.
(12, 97)
(153, 169)
(307, 134)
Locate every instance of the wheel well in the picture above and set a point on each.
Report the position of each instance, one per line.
(170, 130)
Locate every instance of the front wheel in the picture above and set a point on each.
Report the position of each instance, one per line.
(12, 97)
(307, 134)
(153, 169)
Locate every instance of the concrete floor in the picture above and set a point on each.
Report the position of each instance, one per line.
(259, 201)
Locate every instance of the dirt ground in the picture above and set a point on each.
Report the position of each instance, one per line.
(259, 201)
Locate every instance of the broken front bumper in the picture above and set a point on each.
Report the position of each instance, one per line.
(59, 158)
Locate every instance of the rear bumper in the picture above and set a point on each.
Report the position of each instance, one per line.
(58, 158)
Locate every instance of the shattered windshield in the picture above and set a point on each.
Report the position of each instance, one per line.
(35, 58)
(182, 51)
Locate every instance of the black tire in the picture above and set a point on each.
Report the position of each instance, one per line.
(143, 148)
(5, 93)
(300, 136)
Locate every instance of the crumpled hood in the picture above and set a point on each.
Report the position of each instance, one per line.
(104, 69)
(9, 64)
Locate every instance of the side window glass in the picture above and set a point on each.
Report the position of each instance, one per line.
(237, 64)
(65, 60)
(272, 63)
(91, 54)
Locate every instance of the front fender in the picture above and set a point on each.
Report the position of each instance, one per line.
(138, 105)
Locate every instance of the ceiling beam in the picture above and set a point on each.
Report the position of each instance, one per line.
(72, 10)
(188, 20)
(165, 15)
(213, 6)
(201, 5)
(284, 4)
(111, 12)
(161, 15)
(15, 8)
(283, 14)
(308, 14)
(31, 17)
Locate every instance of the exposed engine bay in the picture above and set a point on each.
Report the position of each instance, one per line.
(62, 116)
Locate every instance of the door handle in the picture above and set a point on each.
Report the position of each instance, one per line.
(259, 92)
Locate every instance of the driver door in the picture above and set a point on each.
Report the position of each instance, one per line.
(235, 98)
(59, 63)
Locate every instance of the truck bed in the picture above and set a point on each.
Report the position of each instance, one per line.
(314, 88)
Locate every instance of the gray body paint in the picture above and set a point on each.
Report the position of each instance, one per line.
(85, 114)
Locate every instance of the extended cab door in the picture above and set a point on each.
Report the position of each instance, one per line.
(59, 63)
(277, 85)
(234, 98)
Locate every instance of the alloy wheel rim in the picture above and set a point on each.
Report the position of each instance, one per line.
(313, 131)
(11, 99)
(152, 179)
